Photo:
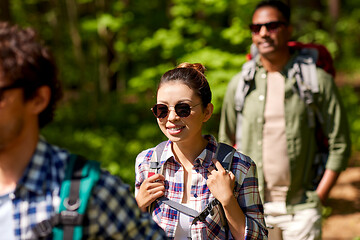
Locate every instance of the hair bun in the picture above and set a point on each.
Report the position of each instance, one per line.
(197, 66)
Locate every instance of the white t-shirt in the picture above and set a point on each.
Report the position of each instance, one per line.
(6, 218)
(183, 227)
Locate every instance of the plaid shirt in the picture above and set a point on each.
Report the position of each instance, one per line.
(112, 211)
(246, 192)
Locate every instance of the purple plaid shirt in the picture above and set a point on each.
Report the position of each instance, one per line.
(246, 192)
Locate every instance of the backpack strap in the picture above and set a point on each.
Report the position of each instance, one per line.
(244, 79)
(155, 166)
(304, 72)
(80, 177)
(224, 154)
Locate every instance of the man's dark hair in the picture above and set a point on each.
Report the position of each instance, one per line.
(277, 4)
(26, 61)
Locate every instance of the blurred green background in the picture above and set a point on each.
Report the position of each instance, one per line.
(111, 54)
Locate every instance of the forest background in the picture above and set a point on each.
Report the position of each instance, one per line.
(112, 53)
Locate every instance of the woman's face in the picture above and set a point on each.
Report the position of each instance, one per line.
(182, 129)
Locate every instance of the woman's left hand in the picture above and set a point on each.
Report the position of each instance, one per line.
(221, 182)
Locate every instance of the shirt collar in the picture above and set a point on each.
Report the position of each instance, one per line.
(36, 173)
(204, 159)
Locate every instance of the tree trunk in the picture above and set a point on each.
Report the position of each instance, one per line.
(71, 8)
(5, 14)
(334, 8)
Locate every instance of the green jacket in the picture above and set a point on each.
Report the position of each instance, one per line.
(301, 145)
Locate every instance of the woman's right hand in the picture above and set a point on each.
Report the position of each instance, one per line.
(151, 189)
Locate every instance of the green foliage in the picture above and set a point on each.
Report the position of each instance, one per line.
(351, 102)
(111, 55)
(108, 131)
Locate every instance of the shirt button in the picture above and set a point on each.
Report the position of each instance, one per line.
(259, 165)
(195, 195)
(259, 142)
(261, 97)
(263, 75)
(12, 196)
(259, 120)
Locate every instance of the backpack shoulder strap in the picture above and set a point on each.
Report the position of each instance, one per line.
(80, 177)
(224, 154)
(244, 79)
(155, 167)
(155, 164)
(305, 74)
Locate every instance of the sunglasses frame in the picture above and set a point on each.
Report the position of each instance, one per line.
(154, 110)
(14, 85)
(268, 26)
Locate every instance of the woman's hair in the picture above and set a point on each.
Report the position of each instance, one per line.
(24, 59)
(192, 75)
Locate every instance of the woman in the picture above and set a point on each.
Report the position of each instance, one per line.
(189, 174)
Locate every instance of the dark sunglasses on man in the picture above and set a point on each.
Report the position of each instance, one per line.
(270, 26)
(16, 84)
(181, 109)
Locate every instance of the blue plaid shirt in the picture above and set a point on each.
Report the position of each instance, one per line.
(112, 210)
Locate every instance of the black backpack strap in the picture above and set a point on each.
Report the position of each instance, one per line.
(224, 154)
(81, 175)
(72, 202)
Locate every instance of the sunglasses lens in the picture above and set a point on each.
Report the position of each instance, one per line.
(255, 28)
(182, 109)
(160, 110)
(272, 26)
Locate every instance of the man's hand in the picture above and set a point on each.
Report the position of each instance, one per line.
(327, 182)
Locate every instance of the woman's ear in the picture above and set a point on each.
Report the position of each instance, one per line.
(41, 100)
(208, 112)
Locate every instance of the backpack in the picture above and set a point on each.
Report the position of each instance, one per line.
(224, 154)
(80, 177)
(304, 71)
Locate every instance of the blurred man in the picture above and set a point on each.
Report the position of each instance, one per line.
(32, 170)
(270, 112)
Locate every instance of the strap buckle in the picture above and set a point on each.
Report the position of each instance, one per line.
(71, 206)
(43, 229)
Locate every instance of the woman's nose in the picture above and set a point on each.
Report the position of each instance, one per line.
(172, 114)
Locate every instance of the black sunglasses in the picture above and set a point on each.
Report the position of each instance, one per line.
(181, 109)
(270, 26)
(11, 86)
